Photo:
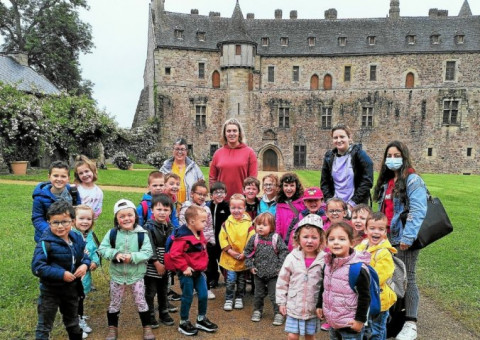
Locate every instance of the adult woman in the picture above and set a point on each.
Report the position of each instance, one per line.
(347, 171)
(398, 185)
(184, 167)
(235, 161)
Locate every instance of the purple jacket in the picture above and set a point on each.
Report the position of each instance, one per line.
(285, 215)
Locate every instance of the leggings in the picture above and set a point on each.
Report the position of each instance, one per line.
(412, 296)
(116, 294)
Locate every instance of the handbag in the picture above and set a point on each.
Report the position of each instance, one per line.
(435, 225)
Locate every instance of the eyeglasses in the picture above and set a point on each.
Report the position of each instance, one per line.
(268, 185)
(201, 195)
(335, 211)
(179, 149)
(219, 193)
(65, 223)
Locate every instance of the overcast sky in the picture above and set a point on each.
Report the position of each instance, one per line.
(120, 36)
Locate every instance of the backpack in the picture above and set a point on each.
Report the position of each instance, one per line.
(398, 281)
(354, 273)
(113, 239)
(73, 191)
(167, 259)
(144, 210)
(273, 243)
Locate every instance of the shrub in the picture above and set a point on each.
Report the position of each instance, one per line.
(156, 159)
(121, 161)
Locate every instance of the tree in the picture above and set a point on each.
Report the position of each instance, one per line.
(53, 36)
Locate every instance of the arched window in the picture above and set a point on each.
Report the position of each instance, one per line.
(410, 81)
(314, 82)
(216, 80)
(327, 82)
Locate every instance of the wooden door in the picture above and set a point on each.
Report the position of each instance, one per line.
(327, 82)
(216, 80)
(270, 160)
(410, 81)
(314, 82)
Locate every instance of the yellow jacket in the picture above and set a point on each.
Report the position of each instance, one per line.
(234, 234)
(382, 262)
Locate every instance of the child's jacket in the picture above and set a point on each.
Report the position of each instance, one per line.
(144, 216)
(265, 259)
(91, 249)
(208, 232)
(127, 242)
(188, 251)
(234, 235)
(267, 205)
(382, 262)
(298, 286)
(50, 265)
(285, 215)
(159, 232)
(42, 200)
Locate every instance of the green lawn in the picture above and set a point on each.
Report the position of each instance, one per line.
(447, 270)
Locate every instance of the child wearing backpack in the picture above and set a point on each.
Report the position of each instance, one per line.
(85, 173)
(297, 284)
(265, 253)
(382, 261)
(128, 247)
(345, 308)
(156, 186)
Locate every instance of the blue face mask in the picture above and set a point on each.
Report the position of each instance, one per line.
(394, 163)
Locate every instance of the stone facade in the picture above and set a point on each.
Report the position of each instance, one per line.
(427, 96)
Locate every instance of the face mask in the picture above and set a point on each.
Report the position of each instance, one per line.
(394, 163)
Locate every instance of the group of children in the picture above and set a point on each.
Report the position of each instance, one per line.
(294, 247)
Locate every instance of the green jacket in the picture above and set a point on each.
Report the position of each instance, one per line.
(127, 242)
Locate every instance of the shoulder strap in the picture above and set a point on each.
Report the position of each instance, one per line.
(46, 246)
(292, 222)
(353, 274)
(141, 237)
(275, 242)
(113, 237)
(95, 239)
(255, 243)
(144, 210)
(292, 207)
(73, 190)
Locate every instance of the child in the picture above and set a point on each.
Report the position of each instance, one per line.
(269, 198)
(336, 212)
(381, 260)
(197, 197)
(189, 257)
(155, 186)
(172, 185)
(233, 238)
(251, 187)
(60, 262)
(156, 279)
(220, 212)
(264, 256)
(344, 309)
(84, 221)
(360, 214)
(85, 173)
(46, 193)
(289, 205)
(297, 284)
(129, 252)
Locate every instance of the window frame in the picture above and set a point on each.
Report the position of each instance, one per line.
(371, 40)
(200, 115)
(265, 41)
(447, 110)
(300, 155)
(312, 41)
(271, 74)
(342, 41)
(450, 70)
(367, 116)
(411, 39)
(284, 117)
(284, 41)
(179, 34)
(349, 68)
(201, 70)
(296, 73)
(326, 117)
(372, 73)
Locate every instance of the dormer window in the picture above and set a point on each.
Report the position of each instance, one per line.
(371, 40)
(284, 41)
(311, 41)
(179, 34)
(459, 39)
(411, 39)
(201, 36)
(435, 39)
(342, 41)
(265, 41)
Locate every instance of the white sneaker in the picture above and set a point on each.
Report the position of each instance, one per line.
(83, 325)
(211, 296)
(84, 335)
(238, 303)
(408, 332)
(228, 306)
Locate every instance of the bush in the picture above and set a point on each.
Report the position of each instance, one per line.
(156, 159)
(121, 161)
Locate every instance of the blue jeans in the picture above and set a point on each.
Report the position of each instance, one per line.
(377, 327)
(188, 283)
(235, 278)
(344, 334)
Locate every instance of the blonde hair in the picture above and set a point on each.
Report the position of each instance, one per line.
(238, 197)
(84, 160)
(193, 211)
(241, 134)
(87, 208)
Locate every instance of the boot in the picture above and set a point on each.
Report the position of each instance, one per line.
(112, 333)
(112, 326)
(148, 334)
(146, 323)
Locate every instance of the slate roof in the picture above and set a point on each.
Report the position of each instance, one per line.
(390, 34)
(465, 10)
(24, 78)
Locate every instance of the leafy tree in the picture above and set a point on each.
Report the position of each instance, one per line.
(53, 36)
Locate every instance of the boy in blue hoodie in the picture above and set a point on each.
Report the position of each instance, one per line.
(46, 193)
(60, 262)
(156, 185)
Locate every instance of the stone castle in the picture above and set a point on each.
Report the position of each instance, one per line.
(288, 80)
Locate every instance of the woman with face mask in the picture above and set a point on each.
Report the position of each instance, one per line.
(398, 184)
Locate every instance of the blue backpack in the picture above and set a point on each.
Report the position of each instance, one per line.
(354, 273)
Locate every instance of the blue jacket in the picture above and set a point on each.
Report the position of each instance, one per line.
(42, 200)
(50, 265)
(147, 197)
(417, 196)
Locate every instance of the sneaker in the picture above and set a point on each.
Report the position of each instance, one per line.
(173, 296)
(187, 328)
(211, 296)
(166, 319)
(278, 320)
(238, 303)
(154, 323)
(83, 325)
(228, 306)
(206, 325)
(325, 327)
(172, 308)
(408, 332)
(84, 335)
(256, 316)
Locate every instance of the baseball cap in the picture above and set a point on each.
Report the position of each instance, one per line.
(122, 204)
(313, 193)
(311, 219)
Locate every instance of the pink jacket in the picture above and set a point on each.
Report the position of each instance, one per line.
(339, 300)
(285, 215)
(298, 286)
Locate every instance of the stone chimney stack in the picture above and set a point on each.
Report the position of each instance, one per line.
(394, 12)
(331, 14)
(194, 11)
(278, 14)
(293, 14)
(250, 15)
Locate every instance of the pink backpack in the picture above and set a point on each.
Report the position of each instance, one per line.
(272, 243)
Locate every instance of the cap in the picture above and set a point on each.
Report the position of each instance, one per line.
(313, 193)
(311, 219)
(123, 204)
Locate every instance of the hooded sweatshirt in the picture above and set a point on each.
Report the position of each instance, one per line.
(234, 235)
(189, 251)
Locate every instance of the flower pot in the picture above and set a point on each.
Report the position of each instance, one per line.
(19, 167)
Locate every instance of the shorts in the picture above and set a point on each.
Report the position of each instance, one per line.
(302, 327)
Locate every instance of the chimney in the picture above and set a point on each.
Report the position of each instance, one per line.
(433, 12)
(442, 13)
(293, 14)
(250, 15)
(278, 14)
(20, 57)
(394, 12)
(331, 14)
(194, 11)
(214, 14)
